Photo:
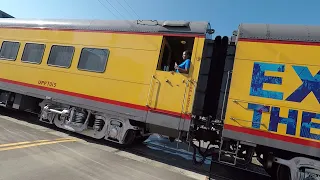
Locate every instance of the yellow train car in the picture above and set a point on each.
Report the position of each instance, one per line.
(254, 94)
(274, 97)
(119, 71)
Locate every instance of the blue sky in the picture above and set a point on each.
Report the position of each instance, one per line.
(224, 15)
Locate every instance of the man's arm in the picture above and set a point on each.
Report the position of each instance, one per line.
(187, 67)
(183, 70)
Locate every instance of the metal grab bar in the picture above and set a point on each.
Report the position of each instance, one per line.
(150, 87)
(225, 95)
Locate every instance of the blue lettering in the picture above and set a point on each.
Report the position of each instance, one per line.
(291, 121)
(258, 79)
(309, 84)
(306, 125)
(257, 113)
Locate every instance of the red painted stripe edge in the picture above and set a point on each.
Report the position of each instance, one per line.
(280, 41)
(98, 99)
(160, 111)
(116, 32)
(270, 135)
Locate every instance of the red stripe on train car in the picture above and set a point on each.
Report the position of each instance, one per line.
(98, 99)
(115, 32)
(280, 41)
(270, 135)
(161, 111)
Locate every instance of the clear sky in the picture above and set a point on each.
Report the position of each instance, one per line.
(224, 15)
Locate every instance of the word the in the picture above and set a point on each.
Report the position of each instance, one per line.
(309, 84)
(290, 120)
(47, 83)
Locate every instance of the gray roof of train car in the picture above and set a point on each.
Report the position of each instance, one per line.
(197, 27)
(280, 32)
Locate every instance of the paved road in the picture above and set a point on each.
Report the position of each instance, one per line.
(32, 152)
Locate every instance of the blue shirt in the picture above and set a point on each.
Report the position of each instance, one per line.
(184, 65)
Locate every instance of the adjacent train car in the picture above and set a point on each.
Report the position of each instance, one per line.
(255, 94)
(272, 101)
(274, 96)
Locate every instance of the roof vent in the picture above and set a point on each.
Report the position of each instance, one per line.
(176, 24)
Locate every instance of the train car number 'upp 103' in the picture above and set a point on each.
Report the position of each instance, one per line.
(47, 83)
(310, 121)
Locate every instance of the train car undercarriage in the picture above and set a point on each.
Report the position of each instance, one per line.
(98, 125)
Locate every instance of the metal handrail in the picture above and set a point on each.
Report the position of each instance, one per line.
(225, 95)
(150, 87)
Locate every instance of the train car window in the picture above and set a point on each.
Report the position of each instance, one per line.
(9, 50)
(92, 59)
(61, 56)
(33, 53)
(172, 50)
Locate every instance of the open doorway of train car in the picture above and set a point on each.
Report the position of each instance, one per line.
(171, 51)
(167, 94)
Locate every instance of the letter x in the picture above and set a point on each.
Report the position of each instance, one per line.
(309, 84)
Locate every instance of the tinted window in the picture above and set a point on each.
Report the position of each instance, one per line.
(33, 53)
(9, 50)
(61, 56)
(92, 59)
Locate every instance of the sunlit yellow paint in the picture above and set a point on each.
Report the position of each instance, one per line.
(132, 62)
(249, 52)
(175, 91)
(195, 67)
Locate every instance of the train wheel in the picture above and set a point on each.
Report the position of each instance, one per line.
(283, 173)
(129, 139)
(273, 171)
(279, 172)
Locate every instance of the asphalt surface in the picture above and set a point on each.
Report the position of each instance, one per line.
(32, 152)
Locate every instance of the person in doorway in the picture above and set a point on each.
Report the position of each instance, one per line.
(185, 65)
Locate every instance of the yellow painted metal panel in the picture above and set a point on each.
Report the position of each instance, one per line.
(195, 67)
(123, 41)
(132, 61)
(174, 91)
(128, 69)
(275, 88)
(278, 53)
